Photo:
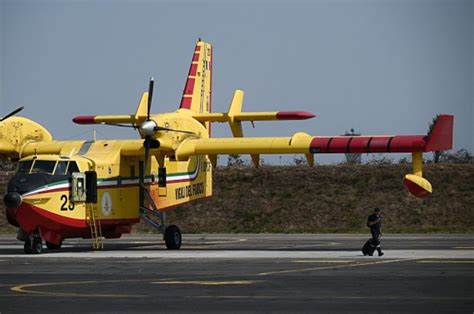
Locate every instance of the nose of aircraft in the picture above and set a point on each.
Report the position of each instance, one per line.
(12, 200)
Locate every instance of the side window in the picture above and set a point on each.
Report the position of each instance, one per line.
(25, 166)
(72, 167)
(60, 168)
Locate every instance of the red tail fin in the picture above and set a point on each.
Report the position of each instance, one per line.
(198, 88)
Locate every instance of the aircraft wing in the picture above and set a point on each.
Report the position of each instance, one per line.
(439, 138)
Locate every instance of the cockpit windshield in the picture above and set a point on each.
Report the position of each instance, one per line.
(43, 166)
(60, 168)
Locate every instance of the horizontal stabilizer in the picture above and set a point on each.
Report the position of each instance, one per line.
(136, 118)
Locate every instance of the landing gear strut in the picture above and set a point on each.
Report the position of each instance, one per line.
(171, 233)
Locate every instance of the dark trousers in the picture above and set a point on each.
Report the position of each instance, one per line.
(376, 239)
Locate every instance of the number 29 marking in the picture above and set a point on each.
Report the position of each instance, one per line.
(71, 205)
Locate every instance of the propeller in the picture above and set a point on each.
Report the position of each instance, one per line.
(14, 112)
(149, 127)
(144, 126)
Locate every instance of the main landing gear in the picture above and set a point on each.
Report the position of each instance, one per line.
(156, 218)
(171, 233)
(172, 237)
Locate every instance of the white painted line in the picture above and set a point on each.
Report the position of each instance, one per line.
(245, 254)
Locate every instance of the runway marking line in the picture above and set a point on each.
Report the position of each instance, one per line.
(445, 262)
(318, 261)
(334, 267)
(326, 297)
(24, 288)
(207, 283)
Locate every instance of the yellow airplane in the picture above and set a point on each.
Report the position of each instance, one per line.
(98, 189)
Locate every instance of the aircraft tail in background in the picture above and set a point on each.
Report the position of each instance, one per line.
(197, 93)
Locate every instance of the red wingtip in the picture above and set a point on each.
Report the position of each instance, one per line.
(415, 189)
(84, 120)
(294, 115)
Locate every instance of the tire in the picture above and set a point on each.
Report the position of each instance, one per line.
(52, 246)
(173, 237)
(27, 247)
(37, 246)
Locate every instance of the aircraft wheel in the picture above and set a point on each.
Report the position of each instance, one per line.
(52, 246)
(173, 237)
(37, 246)
(27, 247)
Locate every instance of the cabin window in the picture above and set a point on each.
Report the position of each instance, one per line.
(43, 166)
(72, 167)
(61, 168)
(25, 166)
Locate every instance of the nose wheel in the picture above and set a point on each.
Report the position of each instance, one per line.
(33, 246)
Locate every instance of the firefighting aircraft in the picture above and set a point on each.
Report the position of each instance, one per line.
(98, 189)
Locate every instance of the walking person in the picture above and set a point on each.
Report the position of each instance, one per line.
(374, 222)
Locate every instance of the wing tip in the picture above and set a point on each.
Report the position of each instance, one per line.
(84, 120)
(294, 115)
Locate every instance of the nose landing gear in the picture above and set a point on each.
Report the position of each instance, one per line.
(33, 245)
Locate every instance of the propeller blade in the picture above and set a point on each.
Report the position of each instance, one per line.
(160, 128)
(150, 97)
(14, 112)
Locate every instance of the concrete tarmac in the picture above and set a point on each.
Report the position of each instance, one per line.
(242, 273)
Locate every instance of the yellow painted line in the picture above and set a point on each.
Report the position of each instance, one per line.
(23, 289)
(322, 261)
(207, 283)
(26, 288)
(445, 262)
(334, 267)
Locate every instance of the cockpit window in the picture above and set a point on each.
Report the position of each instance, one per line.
(43, 166)
(72, 167)
(25, 166)
(61, 168)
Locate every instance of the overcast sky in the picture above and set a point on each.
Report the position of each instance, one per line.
(380, 67)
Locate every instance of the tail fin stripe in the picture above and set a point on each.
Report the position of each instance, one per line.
(193, 69)
(186, 102)
(189, 88)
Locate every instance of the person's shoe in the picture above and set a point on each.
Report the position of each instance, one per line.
(380, 253)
